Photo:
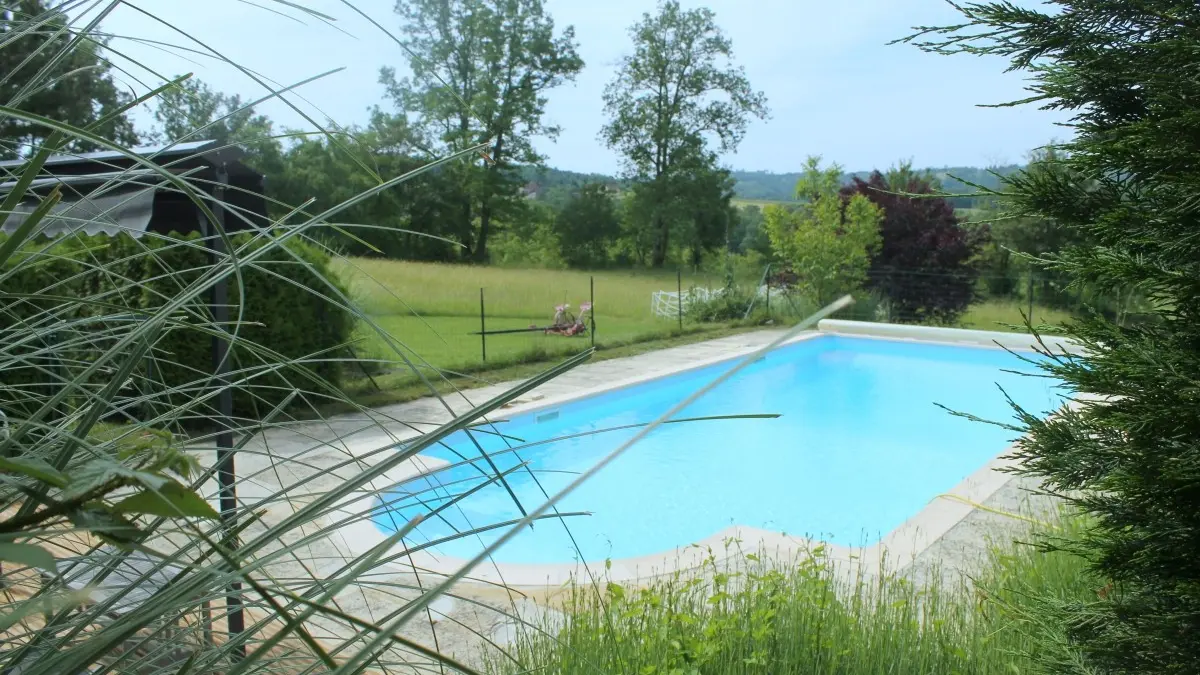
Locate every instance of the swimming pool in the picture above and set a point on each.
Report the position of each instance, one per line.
(860, 446)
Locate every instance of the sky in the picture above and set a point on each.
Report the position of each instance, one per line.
(834, 86)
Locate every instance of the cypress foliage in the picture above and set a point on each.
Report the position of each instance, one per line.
(1130, 185)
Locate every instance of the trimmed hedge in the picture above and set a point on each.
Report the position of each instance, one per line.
(32, 302)
(287, 309)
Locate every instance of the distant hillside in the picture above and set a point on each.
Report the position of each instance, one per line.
(550, 184)
(550, 177)
(767, 186)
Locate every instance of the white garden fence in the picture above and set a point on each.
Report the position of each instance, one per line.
(668, 303)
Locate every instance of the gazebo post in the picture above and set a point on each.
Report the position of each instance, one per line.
(135, 215)
(226, 476)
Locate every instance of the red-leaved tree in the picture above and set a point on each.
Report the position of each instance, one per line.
(925, 266)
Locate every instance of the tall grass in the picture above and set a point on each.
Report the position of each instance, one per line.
(758, 616)
(120, 552)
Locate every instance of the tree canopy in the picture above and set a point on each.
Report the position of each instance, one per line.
(587, 225)
(47, 69)
(480, 73)
(827, 240)
(413, 220)
(925, 264)
(193, 111)
(675, 94)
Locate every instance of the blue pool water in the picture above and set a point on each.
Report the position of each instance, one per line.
(860, 447)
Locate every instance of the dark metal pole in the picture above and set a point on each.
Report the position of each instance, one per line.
(482, 328)
(679, 296)
(361, 367)
(592, 301)
(226, 474)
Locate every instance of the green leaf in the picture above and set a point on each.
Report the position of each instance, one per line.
(172, 500)
(28, 555)
(100, 472)
(110, 526)
(34, 468)
(26, 229)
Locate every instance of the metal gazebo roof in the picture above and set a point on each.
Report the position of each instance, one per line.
(212, 152)
(110, 192)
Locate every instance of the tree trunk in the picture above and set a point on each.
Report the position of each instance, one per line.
(658, 256)
(485, 221)
(492, 179)
(466, 224)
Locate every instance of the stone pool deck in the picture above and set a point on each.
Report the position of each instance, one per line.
(321, 455)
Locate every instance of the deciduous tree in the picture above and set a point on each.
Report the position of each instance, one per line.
(587, 226)
(414, 220)
(748, 232)
(480, 72)
(925, 263)
(705, 212)
(678, 91)
(827, 239)
(192, 111)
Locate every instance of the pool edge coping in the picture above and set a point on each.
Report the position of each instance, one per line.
(899, 546)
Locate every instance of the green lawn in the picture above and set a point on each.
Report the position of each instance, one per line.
(433, 309)
(432, 289)
(447, 342)
(759, 202)
(1000, 314)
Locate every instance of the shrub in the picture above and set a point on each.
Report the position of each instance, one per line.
(288, 310)
(294, 306)
(30, 322)
(729, 304)
(747, 266)
(925, 263)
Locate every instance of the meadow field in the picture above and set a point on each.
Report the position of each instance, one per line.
(760, 203)
(1005, 315)
(432, 310)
